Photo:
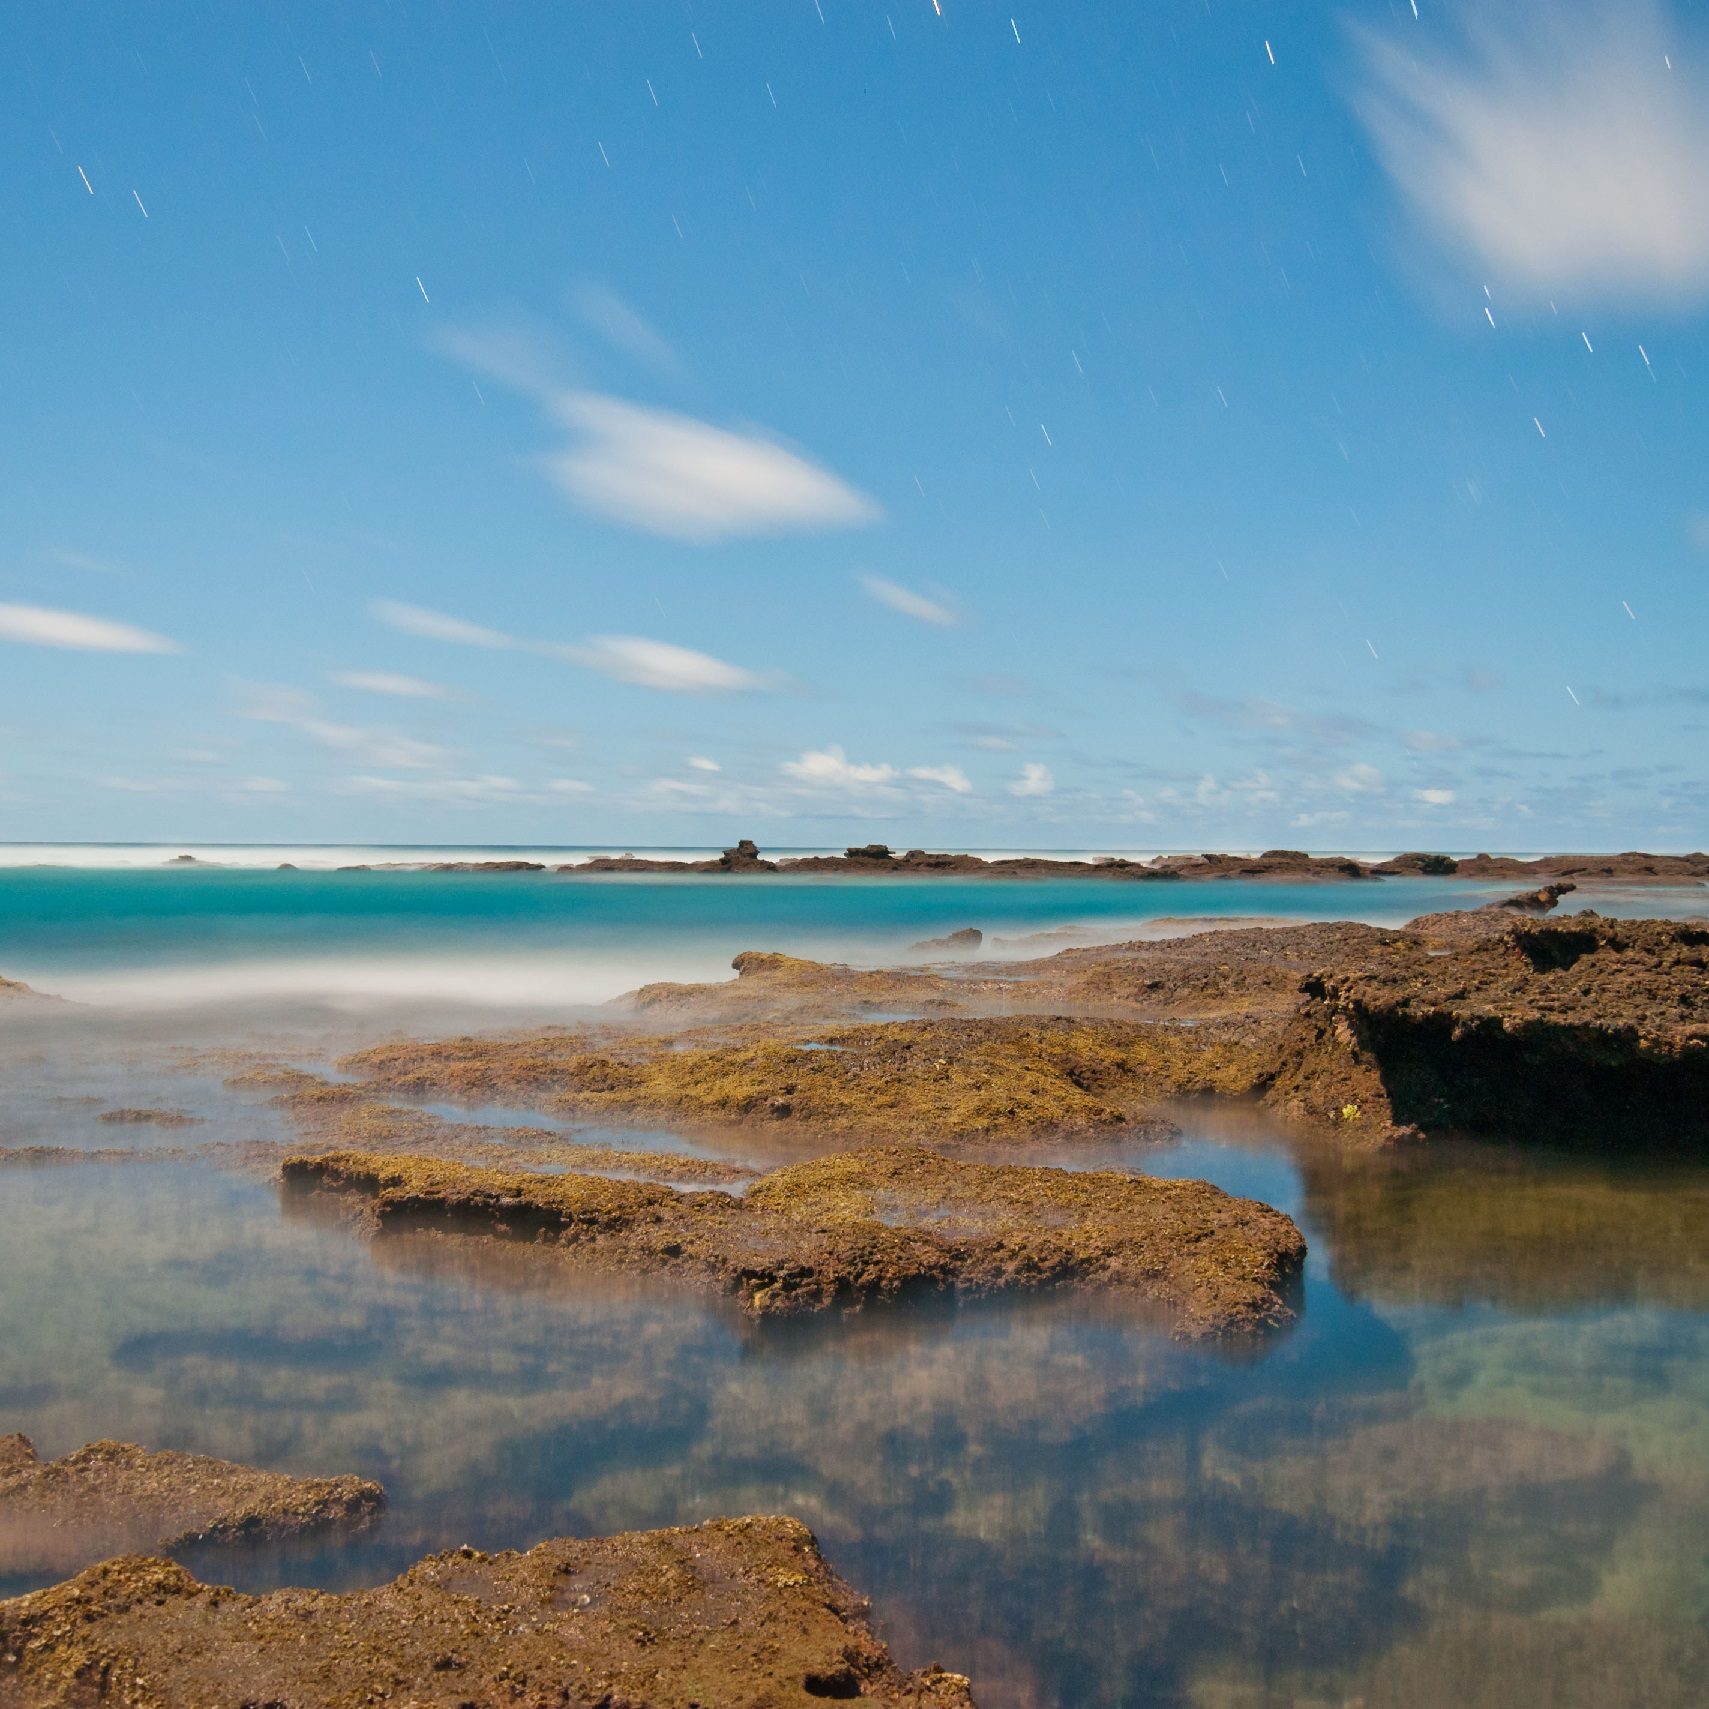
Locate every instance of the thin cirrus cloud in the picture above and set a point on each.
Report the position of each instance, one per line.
(654, 469)
(673, 475)
(624, 658)
(436, 626)
(392, 683)
(910, 604)
(659, 664)
(42, 626)
(1565, 149)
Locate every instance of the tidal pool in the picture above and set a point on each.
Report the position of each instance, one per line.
(1475, 1474)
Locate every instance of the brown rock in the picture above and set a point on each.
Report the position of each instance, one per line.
(58, 1515)
(865, 1226)
(735, 1611)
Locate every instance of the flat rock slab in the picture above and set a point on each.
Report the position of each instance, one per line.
(732, 1612)
(868, 1225)
(57, 1515)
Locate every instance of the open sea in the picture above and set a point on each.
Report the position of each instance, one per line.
(1475, 1475)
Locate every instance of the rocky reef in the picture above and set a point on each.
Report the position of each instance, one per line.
(732, 1611)
(1579, 1029)
(863, 1226)
(57, 1515)
(1011, 1077)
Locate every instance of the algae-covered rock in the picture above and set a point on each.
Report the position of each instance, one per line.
(735, 1611)
(1011, 1077)
(862, 1226)
(56, 1515)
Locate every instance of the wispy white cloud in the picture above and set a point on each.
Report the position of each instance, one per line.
(622, 326)
(1565, 149)
(1358, 779)
(42, 626)
(952, 777)
(382, 749)
(909, 603)
(436, 626)
(655, 469)
(683, 478)
(626, 658)
(392, 683)
(699, 762)
(1035, 779)
(659, 664)
(1434, 797)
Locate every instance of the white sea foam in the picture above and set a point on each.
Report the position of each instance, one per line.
(532, 982)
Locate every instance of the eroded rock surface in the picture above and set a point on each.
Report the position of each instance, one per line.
(57, 1515)
(1581, 1028)
(735, 1611)
(869, 1225)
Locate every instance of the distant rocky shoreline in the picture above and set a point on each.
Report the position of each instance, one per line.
(879, 860)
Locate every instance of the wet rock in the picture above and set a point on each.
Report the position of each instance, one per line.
(733, 1611)
(964, 942)
(61, 1514)
(1416, 865)
(1539, 901)
(1586, 1028)
(863, 1226)
(1000, 1078)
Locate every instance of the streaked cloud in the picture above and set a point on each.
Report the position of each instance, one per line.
(699, 762)
(655, 469)
(687, 480)
(659, 664)
(43, 626)
(909, 603)
(1035, 779)
(436, 625)
(626, 658)
(394, 684)
(382, 749)
(1564, 149)
(1434, 797)
(623, 327)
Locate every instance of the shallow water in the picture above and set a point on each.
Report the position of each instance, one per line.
(1475, 1473)
(154, 937)
(1463, 1472)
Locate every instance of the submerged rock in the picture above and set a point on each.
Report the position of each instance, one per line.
(969, 938)
(56, 1515)
(869, 1225)
(735, 1611)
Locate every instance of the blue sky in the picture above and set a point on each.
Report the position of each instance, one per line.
(1212, 424)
